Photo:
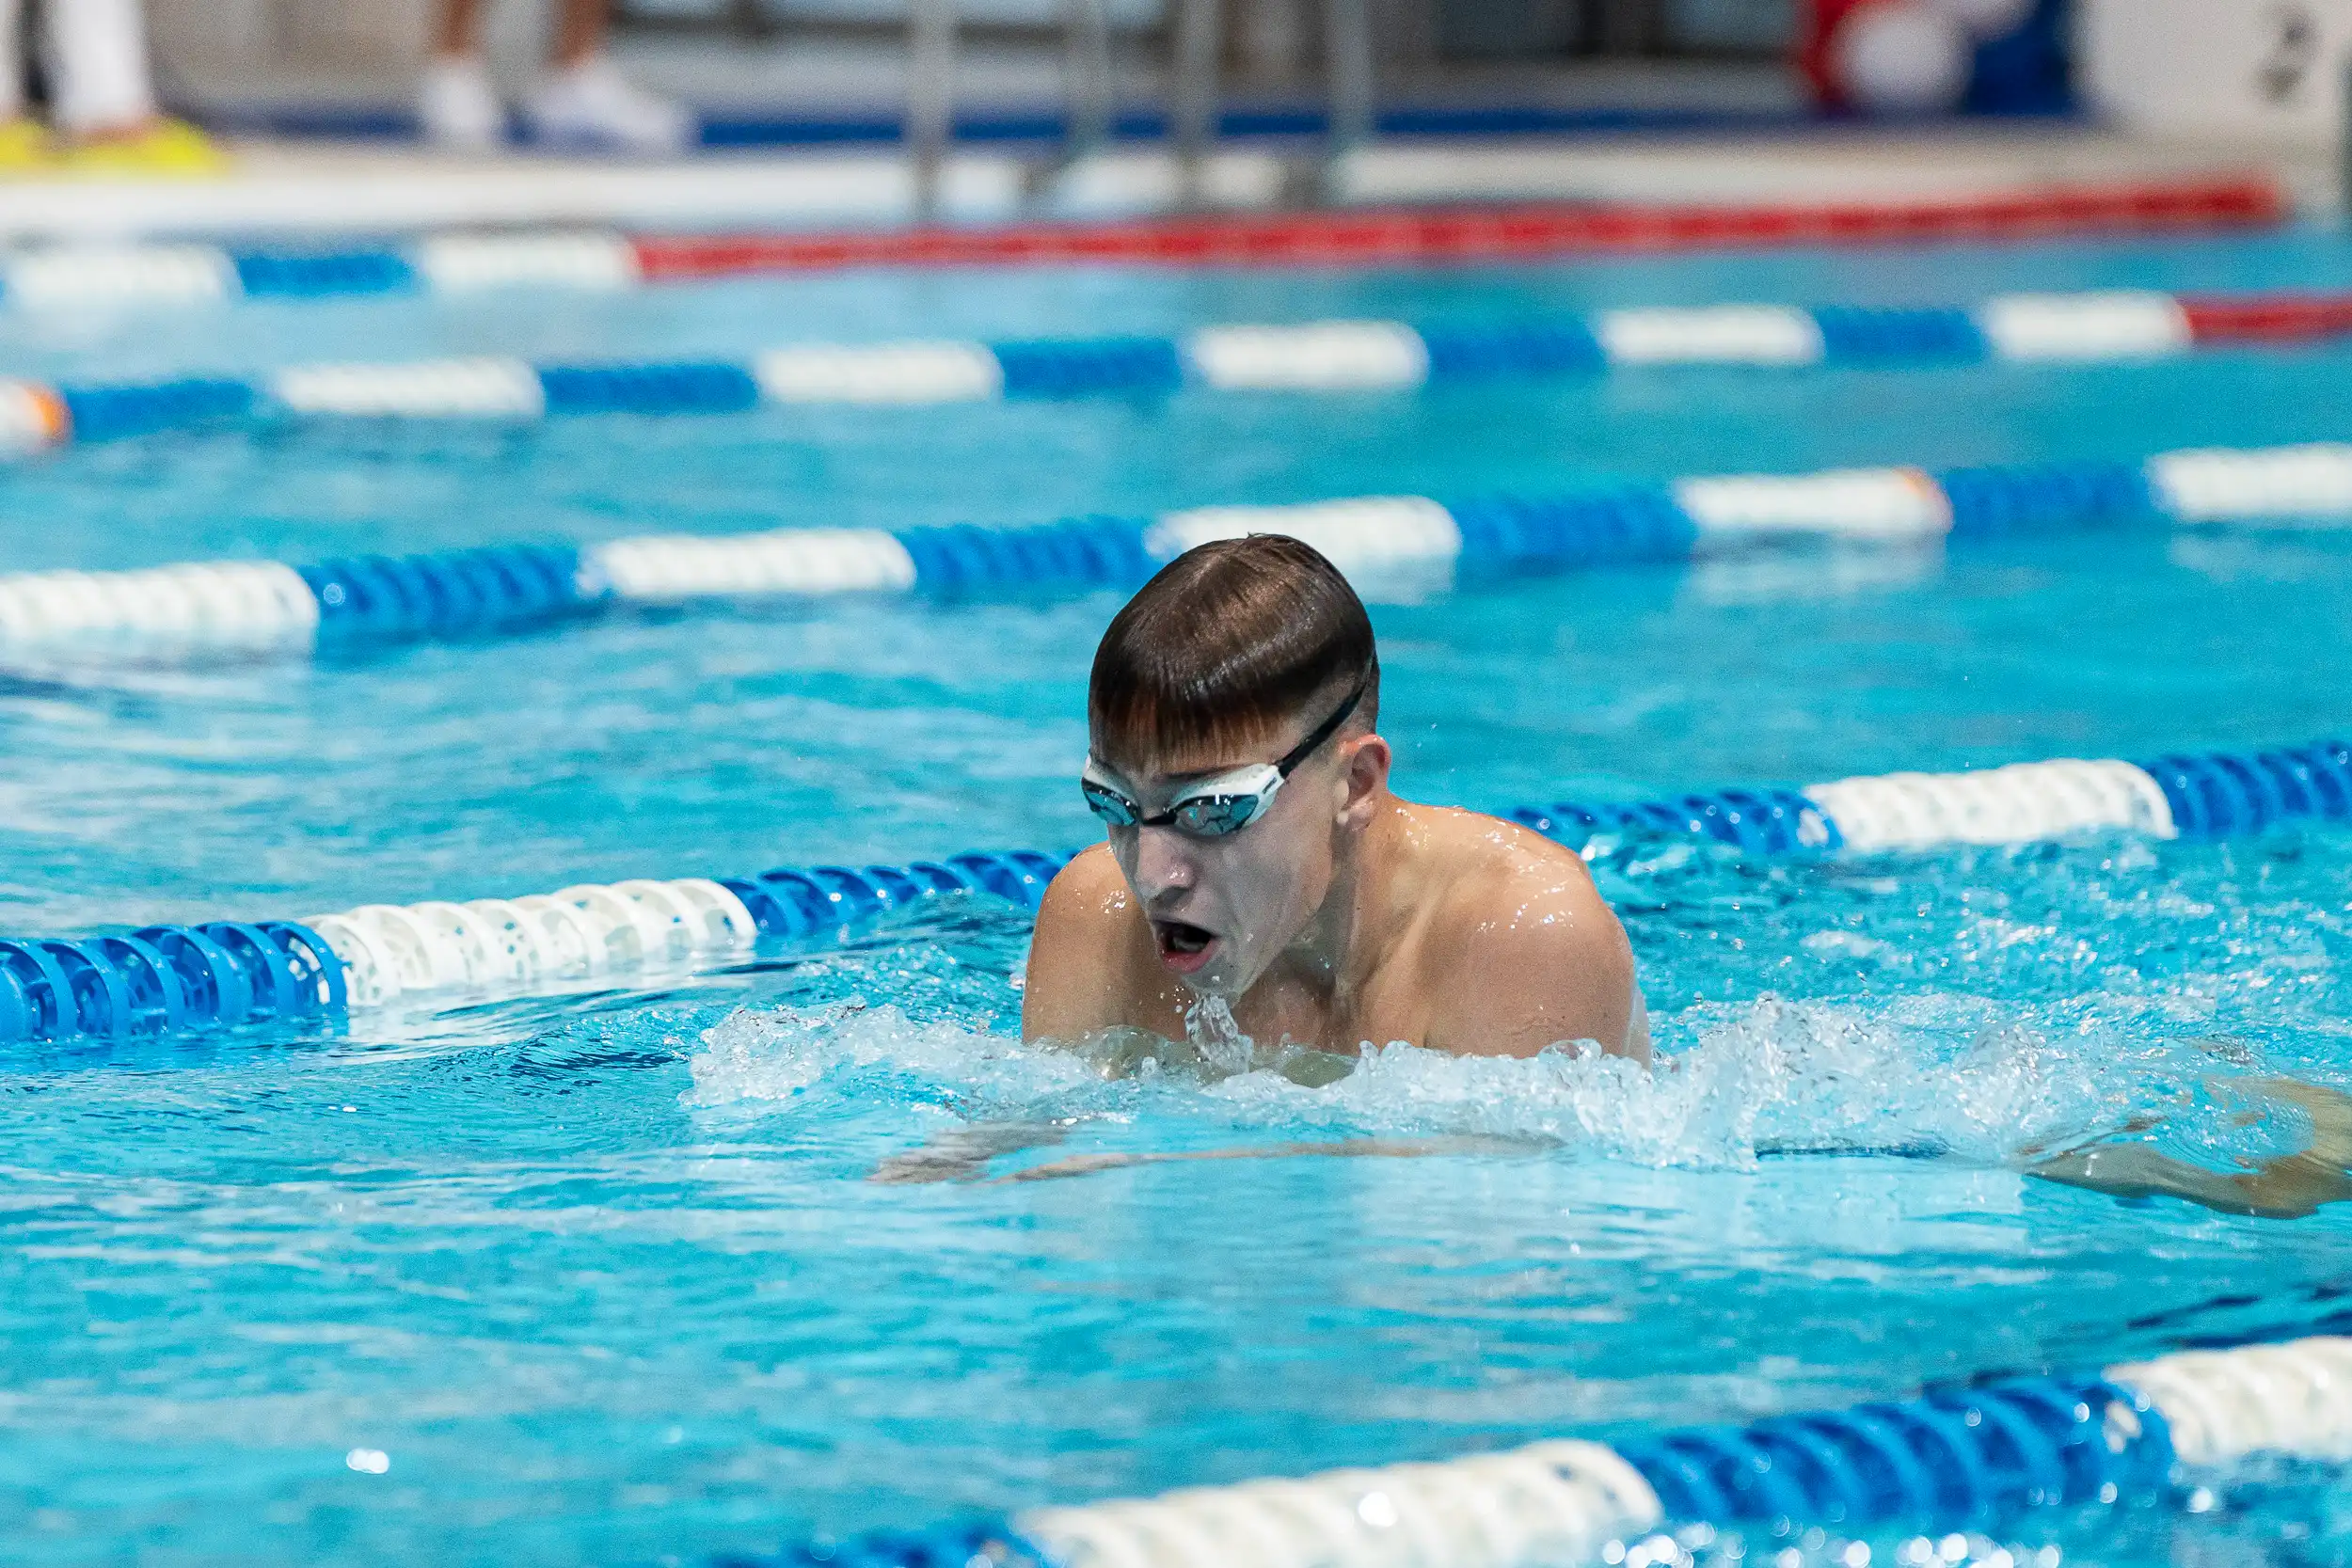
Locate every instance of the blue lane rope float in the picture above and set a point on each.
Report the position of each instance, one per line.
(1943, 1459)
(1946, 1460)
(248, 608)
(165, 980)
(1329, 357)
(1967, 1458)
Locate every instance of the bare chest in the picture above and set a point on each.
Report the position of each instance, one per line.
(1381, 1011)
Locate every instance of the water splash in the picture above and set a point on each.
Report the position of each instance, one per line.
(1934, 1076)
(1210, 1028)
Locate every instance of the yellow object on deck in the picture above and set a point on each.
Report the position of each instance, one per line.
(24, 146)
(168, 148)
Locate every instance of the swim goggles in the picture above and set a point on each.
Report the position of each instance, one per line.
(1222, 803)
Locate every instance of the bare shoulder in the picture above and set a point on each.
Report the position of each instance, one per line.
(1088, 888)
(1083, 951)
(1499, 877)
(1520, 949)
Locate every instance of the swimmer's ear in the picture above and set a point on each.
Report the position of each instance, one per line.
(1363, 779)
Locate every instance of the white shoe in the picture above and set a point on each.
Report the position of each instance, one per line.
(593, 105)
(457, 106)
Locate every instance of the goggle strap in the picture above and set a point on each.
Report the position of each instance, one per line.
(1326, 730)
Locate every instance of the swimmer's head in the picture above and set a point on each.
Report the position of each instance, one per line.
(1247, 666)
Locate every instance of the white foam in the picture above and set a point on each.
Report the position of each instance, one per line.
(1939, 1074)
(780, 1054)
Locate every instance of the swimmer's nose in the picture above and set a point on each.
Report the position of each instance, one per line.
(1164, 870)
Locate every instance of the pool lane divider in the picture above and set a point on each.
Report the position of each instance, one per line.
(1947, 1459)
(249, 609)
(1326, 356)
(464, 264)
(165, 980)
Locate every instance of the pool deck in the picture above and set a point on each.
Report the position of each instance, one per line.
(316, 187)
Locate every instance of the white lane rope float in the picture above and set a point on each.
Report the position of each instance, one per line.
(182, 611)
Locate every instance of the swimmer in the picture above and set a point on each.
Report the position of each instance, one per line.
(1261, 884)
(1259, 880)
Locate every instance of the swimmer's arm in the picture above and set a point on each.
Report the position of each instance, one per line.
(2289, 1186)
(963, 1154)
(1386, 1149)
(1079, 954)
(1548, 965)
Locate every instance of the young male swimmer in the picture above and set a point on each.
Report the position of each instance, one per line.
(1259, 866)
(1258, 863)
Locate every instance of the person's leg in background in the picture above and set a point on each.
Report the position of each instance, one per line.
(585, 101)
(102, 95)
(455, 102)
(23, 141)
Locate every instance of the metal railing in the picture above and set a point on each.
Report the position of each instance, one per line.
(1194, 87)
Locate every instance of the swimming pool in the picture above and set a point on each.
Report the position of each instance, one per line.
(599, 1275)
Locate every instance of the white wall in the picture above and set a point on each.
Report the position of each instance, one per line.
(209, 32)
(245, 42)
(2257, 73)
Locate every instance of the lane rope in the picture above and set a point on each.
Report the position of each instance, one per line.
(165, 980)
(459, 263)
(189, 612)
(1957, 1458)
(1314, 357)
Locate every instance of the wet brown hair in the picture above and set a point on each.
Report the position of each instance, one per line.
(1225, 644)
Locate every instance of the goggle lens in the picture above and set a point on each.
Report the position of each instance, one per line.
(1215, 815)
(1216, 807)
(1110, 806)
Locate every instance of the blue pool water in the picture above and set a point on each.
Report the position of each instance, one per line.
(602, 1276)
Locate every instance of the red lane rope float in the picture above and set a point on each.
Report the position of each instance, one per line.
(2268, 318)
(1482, 233)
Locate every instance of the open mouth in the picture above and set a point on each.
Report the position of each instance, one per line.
(1184, 947)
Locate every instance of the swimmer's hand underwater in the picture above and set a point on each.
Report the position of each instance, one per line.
(1258, 861)
(2286, 1187)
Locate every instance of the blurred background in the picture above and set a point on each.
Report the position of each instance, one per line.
(785, 71)
(2261, 75)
